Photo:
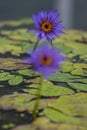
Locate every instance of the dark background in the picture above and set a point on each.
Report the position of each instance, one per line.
(17, 9)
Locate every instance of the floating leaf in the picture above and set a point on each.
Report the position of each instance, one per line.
(27, 72)
(83, 57)
(63, 48)
(15, 50)
(15, 101)
(81, 80)
(66, 66)
(6, 32)
(12, 64)
(78, 72)
(20, 37)
(4, 41)
(62, 77)
(20, 102)
(44, 124)
(80, 66)
(5, 76)
(78, 86)
(48, 89)
(59, 117)
(16, 80)
(74, 105)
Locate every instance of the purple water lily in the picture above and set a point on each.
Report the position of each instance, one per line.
(47, 25)
(45, 59)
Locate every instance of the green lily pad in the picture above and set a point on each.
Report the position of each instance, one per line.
(15, 100)
(66, 66)
(20, 102)
(12, 64)
(20, 37)
(81, 80)
(78, 72)
(26, 46)
(27, 72)
(81, 50)
(74, 105)
(6, 32)
(16, 80)
(5, 41)
(48, 89)
(63, 48)
(84, 57)
(62, 77)
(78, 86)
(15, 50)
(4, 76)
(80, 66)
(59, 117)
(44, 124)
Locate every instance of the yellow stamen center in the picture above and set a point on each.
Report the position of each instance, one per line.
(47, 61)
(46, 26)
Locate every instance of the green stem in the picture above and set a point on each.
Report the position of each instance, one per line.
(38, 98)
(35, 46)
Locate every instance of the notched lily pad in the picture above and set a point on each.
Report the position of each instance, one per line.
(47, 89)
(59, 117)
(16, 80)
(73, 105)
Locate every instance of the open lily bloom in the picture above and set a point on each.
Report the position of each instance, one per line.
(45, 59)
(47, 25)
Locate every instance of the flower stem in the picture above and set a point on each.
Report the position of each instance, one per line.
(38, 98)
(35, 45)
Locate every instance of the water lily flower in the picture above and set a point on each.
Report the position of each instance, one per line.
(47, 25)
(45, 59)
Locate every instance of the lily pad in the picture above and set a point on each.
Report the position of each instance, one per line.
(16, 80)
(47, 89)
(78, 72)
(27, 72)
(43, 123)
(4, 76)
(20, 102)
(74, 105)
(78, 86)
(59, 117)
(66, 66)
(62, 77)
(80, 66)
(12, 64)
(14, 50)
